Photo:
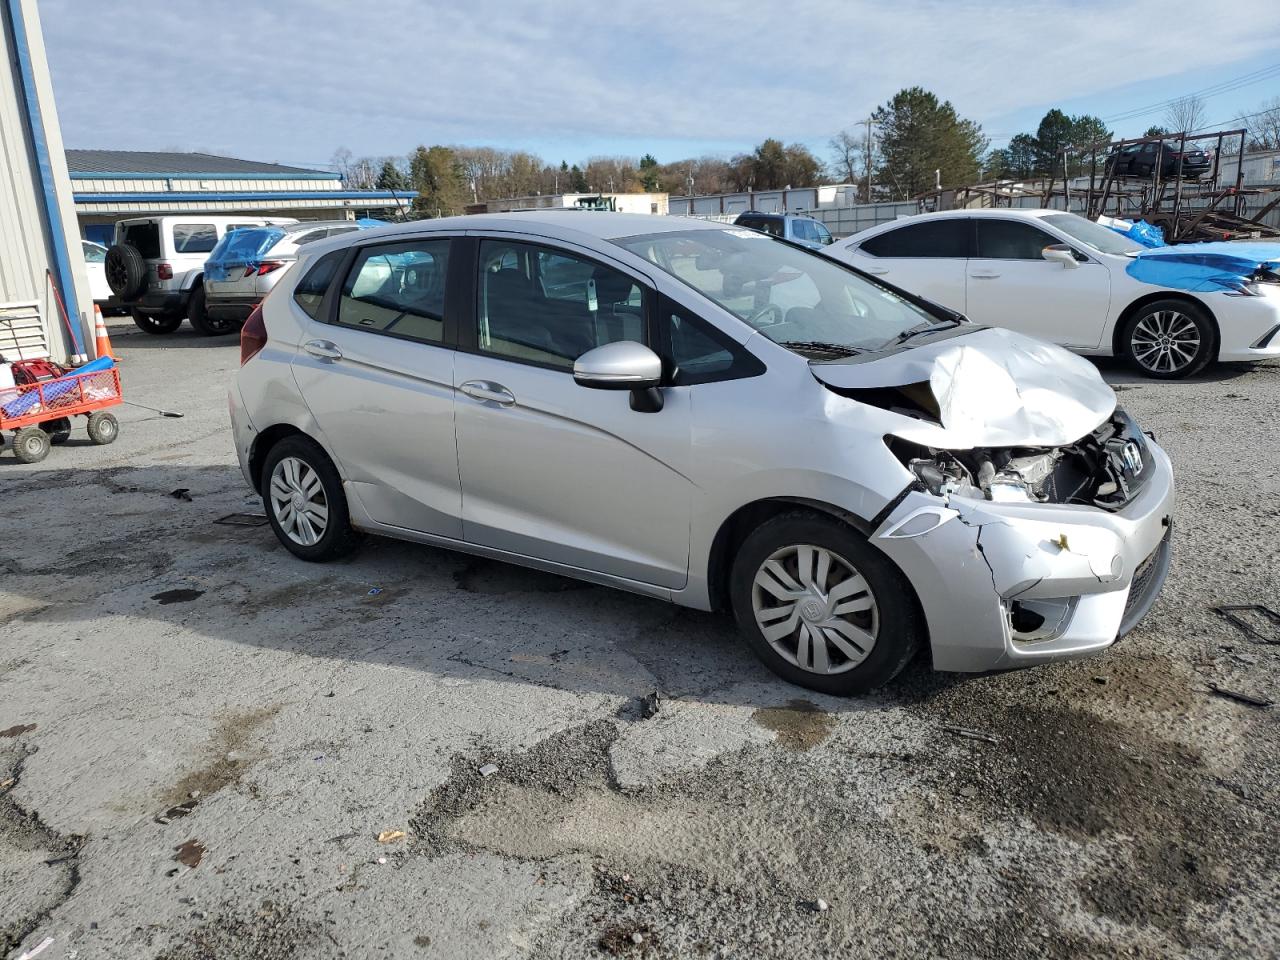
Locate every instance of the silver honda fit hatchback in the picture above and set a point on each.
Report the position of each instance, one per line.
(709, 415)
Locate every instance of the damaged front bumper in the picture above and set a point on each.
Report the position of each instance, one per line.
(1008, 584)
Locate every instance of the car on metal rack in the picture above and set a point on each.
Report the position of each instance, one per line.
(708, 415)
(1142, 160)
(1170, 311)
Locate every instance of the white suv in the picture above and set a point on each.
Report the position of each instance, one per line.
(156, 267)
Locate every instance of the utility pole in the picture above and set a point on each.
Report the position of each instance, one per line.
(868, 123)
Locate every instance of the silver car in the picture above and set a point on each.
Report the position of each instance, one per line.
(705, 414)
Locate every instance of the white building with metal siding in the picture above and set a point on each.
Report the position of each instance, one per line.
(42, 268)
(113, 185)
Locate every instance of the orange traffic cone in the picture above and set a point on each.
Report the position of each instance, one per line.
(102, 343)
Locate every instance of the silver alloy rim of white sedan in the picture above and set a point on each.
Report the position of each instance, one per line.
(1165, 341)
(815, 609)
(298, 501)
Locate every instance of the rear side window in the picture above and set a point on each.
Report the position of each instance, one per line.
(932, 239)
(398, 289)
(145, 237)
(310, 291)
(194, 237)
(1010, 240)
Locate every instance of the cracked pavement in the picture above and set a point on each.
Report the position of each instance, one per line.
(201, 739)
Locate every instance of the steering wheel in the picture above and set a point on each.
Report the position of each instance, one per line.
(778, 314)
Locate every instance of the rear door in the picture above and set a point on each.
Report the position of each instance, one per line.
(1012, 285)
(551, 469)
(927, 258)
(375, 367)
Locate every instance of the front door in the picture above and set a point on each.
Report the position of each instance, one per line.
(1011, 285)
(377, 376)
(551, 469)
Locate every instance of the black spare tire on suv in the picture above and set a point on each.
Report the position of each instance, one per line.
(126, 271)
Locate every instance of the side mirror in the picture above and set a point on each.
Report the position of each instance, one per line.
(624, 365)
(1061, 253)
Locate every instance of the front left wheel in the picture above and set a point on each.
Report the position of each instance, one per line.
(305, 502)
(821, 607)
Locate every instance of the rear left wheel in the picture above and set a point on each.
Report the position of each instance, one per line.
(821, 607)
(148, 323)
(305, 502)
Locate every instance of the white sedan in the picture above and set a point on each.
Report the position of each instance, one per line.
(1068, 280)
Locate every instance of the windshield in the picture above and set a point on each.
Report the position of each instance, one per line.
(1095, 235)
(796, 298)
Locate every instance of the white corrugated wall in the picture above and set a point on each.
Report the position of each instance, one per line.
(26, 251)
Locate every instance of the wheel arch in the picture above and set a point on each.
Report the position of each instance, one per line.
(738, 526)
(1118, 347)
(262, 445)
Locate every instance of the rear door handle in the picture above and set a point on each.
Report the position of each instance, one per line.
(324, 349)
(984, 276)
(878, 271)
(487, 390)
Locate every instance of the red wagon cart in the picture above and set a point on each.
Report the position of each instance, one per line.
(40, 413)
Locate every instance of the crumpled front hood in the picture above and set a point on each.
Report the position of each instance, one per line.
(993, 388)
(1204, 267)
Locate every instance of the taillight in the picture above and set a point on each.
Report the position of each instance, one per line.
(253, 336)
(267, 266)
(250, 270)
(164, 271)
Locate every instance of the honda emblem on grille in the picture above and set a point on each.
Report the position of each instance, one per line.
(1132, 457)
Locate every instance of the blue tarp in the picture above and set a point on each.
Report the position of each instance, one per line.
(238, 249)
(1205, 267)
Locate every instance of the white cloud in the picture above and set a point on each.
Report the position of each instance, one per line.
(293, 79)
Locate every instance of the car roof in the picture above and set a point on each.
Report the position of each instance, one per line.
(566, 224)
(1000, 212)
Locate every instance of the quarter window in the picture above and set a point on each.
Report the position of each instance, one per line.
(931, 239)
(397, 289)
(701, 353)
(310, 291)
(194, 237)
(549, 307)
(1010, 240)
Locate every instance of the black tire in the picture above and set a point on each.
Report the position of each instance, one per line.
(103, 428)
(126, 271)
(30, 444)
(899, 628)
(1143, 331)
(165, 323)
(198, 314)
(338, 538)
(59, 430)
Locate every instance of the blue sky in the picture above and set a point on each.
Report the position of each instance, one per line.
(292, 80)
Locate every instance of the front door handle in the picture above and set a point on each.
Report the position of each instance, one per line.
(326, 350)
(984, 276)
(878, 271)
(487, 390)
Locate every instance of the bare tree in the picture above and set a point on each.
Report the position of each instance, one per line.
(847, 161)
(1185, 115)
(1264, 126)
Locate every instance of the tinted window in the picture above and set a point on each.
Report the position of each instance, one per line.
(145, 237)
(310, 237)
(398, 288)
(94, 253)
(311, 288)
(194, 237)
(701, 353)
(932, 238)
(550, 307)
(803, 230)
(1010, 240)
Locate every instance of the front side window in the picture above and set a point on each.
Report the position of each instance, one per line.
(546, 306)
(824, 235)
(194, 237)
(793, 296)
(1011, 240)
(397, 289)
(947, 238)
(94, 253)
